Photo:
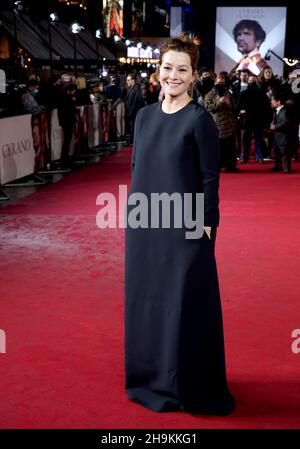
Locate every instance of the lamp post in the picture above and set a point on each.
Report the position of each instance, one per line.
(99, 35)
(75, 28)
(15, 26)
(75, 54)
(18, 9)
(52, 19)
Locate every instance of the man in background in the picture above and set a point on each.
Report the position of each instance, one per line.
(29, 98)
(249, 35)
(133, 101)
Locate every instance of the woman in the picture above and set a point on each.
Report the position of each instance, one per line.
(268, 82)
(270, 86)
(154, 88)
(82, 93)
(174, 349)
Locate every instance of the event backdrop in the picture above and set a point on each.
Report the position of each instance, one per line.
(271, 19)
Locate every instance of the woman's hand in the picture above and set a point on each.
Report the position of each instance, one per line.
(207, 229)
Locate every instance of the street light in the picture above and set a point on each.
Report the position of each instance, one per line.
(19, 6)
(53, 18)
(99, 34)
(18, 9)
(75, 28)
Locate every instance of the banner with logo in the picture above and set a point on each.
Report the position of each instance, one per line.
(25, 140)
(105, 118)
(56, 136)
(80, 144)
(22, 147)
(93, 125)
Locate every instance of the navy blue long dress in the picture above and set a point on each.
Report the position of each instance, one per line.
(174, 346)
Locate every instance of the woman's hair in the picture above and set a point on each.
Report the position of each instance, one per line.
(261, 77)
(253, 25)
(81, 82)
(183, 43)
(153, 78)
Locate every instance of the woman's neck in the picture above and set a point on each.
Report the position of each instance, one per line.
(173, 104)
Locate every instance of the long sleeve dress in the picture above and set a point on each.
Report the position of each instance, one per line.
(174, 345)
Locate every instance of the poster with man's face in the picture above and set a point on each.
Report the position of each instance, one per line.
(245, 34)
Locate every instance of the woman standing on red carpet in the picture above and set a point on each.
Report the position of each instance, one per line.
(174, 346)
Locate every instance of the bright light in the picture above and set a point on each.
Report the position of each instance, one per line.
(290, 62)
(104, 73)
(144, 75)
(18, 6)
(116, 38)
(139, 45)
(149, 48)
(54, 17)
(76, 28)
(127, 42)
(156, 51)
(99, 34)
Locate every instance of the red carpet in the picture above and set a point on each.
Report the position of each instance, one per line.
(61, 305)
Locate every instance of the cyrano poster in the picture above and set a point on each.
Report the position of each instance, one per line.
(245, 34)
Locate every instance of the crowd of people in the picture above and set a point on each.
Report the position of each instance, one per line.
(246, 108)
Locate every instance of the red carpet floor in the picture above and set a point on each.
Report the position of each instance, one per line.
(61, 305)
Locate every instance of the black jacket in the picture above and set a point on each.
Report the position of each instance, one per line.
(134, 101)
(281, 128)
(257, 106)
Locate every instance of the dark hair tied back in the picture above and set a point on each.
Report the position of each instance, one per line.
(182, 43)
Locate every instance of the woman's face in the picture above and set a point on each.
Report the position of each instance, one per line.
(268, 74)
(176, 73)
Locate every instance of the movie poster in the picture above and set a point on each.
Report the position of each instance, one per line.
(245, 34)
(113, 17)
